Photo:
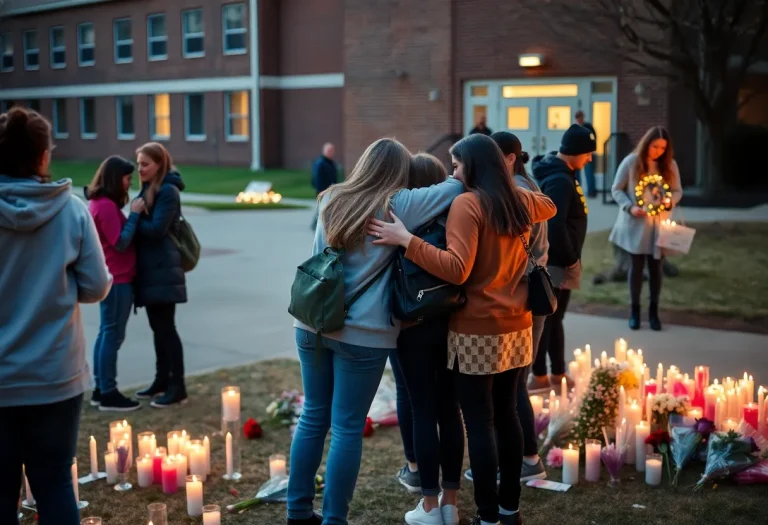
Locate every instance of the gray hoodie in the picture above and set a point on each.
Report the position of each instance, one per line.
(539, 242)
(50, 260)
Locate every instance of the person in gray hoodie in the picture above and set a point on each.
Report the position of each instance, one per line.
(51, 261)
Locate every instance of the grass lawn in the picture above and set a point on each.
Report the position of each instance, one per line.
(242, 206)
(220, 180)
(379, 499)
(722, 276)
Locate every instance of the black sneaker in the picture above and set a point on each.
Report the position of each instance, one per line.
(530, 472)
(96, 397)
(156, 389)
(175, 395)
(314, 520)
(514, 519)
(410, 480)
(116, 402)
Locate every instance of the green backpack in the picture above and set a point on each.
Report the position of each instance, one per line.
(317, 293)
(186, 241)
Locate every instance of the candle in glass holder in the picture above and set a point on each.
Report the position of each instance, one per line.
(701, 378)
(157, 465)
(653, 469)
(194, 496)
(174, 440)
(230, 403)
(118, 429)
(181, 469)
(144, 470)
(110, 466)
(147, 444)
(277, 465)
(592, 461)
(659, 378)
(537, 402)
(750, 414)
(197, 459)
(642, 431)
(571, 465)
(169, 473)
(211, 515)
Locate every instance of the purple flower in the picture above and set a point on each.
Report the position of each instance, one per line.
(122, 459)
(704, 427)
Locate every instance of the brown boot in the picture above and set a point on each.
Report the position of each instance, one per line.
(557, 379)
(537, 383)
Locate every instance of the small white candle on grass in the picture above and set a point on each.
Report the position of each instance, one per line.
(230, 464)
(94, 457)
(277, 466)
(211, 515)
(571, 465)
(653, 469)
(592, 460)
(194, 496)
(144, 471)
(207, 446)
(197, 459)
(181, 470)
(230, 403)
(642, 431)
(110, 466)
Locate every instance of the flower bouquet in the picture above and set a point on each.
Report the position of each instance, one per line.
(273, 491)
(541, 423)
(558, 427)
(599, 405)
(286, 409)
(683, 444)
(613, 458)
(665, 405)
(727, 454)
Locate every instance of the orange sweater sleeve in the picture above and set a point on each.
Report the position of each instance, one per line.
(454, 264)
(540, 206)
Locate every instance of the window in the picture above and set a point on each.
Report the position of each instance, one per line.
(60, 127)
(235, 31)
(6, 105)
(194, 116)
(88, 118)
(160, 116)
(123, 41)
(193, 34)
(518, 118)
(31, 51)
(601, 121)
(157, 39)
(538, 91)
(479, 91)
(58, 48)
(558, 117)
(6, 48)
(34, 104)
(605, 86)
(237, 115)
(125, 124)
(86, 45)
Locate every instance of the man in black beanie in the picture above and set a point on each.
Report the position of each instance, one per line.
(558, 177)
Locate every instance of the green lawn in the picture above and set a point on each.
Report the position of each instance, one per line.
(220, 180)
(723, 275)
(242, 206)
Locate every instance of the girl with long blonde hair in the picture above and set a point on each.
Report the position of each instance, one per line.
(341, 377)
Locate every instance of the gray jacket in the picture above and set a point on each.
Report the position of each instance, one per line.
(638, 235)
(538, 242)
(369, 321)
(50, 260)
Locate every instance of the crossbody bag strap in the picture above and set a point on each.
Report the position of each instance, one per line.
(365, 287)
(529, 252)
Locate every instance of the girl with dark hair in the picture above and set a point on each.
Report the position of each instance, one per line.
(51, 262)
(489, 340)
(635, 230)
(108, 193)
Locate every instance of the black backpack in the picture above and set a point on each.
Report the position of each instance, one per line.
(418, 295)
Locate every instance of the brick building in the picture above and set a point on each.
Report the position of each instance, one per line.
(115, 73)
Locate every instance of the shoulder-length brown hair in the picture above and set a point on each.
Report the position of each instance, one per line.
(425, 171)
(161, 157)
(108, 180)
(25, 136)
(664, 162)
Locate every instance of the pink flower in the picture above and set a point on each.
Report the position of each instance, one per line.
(555, 457)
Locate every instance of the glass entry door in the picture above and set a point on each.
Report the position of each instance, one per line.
(555, 116)
(520, 116)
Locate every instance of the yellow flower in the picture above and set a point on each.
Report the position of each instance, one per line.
(628, 380)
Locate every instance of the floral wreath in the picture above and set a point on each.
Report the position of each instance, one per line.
(649, 207)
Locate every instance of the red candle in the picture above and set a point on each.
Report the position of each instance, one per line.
(157, 465)
(651, 387)
(170, 470)
(750, 414)
(701, 377)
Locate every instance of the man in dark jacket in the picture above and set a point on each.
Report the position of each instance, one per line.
(557, 175)
(324, 173)
(481, 127)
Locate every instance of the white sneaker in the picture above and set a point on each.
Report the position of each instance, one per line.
(450, 513)
(419, 516)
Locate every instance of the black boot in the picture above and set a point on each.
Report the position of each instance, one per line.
(653, 317)
(314, 520)
(634, 317)
(159, 386)
(175, 395)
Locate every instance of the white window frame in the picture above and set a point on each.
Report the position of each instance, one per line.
(55, 118)
(185, 36)
(228, 116)
(119, 118)
(152, 118)
(117, 42)
(187, 135)
(4, 39)
(27, 51)
(238, 31)
(83, 134)
(152, 39)
(81, 45)
(54, 48)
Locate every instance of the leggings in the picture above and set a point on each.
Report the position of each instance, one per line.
(553, 339)
(636, 277)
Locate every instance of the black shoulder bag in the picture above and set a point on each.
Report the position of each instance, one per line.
(541, 294)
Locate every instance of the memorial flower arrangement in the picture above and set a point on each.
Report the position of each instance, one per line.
(286, 409)
(684, 441)
(665, 405)
(599, 406)
(727, 454)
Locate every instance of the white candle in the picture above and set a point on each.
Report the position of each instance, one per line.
(194, 496)
(110, 466)
(277, 466)
(197, 460)
(649, 409)
(230, 403)
(620, 350)
(640, 357)
(642, 431)
(653, 470)
(751, 389)
(30, 499)
(571, 465)
(211, 515)
(147, 444)
(144, 471)
(719, 409)
(604, 359)
(588, 354)
(732, 406)
(695, 413)
(183, 442)
(74, 480)
(761, 410)
(174, 438)
(592, 461)
(574, 370)
(622, 402)
(597, 363)
(552, 401)
(181, 469)
(230, 467)
(564, 393)
(730, 424)
(537, 402)
(94, 457)
(207, 446)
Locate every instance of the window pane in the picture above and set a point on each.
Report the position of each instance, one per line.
(234, 16)
(125, 118)
(33, 59)
(160, 116)
(57, 37)
(194, 45)
(34, 104)
(88, 117)
(536, 91)
(157, 25)
(158, 49)
(558, 117)
(193, 21)
(86, 55)
(602, 87)
(195, 115)
(60, 116)
(518, 118)
(238, 127)
(238, 103)
(86, 34)
(59, 57)
(124, 51)
(7, 44)
(479, 91)
(30, 40)
(601, 121)
(123, 30)
(477, 112)
(7, 61)
(236, 41)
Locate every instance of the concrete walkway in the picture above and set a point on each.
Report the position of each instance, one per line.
(239, 294)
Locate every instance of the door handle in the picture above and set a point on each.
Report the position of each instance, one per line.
(543, 144)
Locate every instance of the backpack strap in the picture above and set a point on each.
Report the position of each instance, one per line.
(365, 287)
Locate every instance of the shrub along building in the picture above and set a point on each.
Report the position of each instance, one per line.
(266, 82)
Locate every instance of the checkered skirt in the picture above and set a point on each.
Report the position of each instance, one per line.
(490, 354)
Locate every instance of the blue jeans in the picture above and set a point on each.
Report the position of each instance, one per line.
(43, 438)
(115, 310)
(589, 179)
(404, 412)
(340, 381)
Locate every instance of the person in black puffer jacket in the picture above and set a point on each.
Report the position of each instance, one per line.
(160, 282)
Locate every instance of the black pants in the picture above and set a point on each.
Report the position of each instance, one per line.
(655, 273)
(524, 407)
(553, 338)
(404, 413)
(43, 438)
(422, 351)
(488, 402)
(168, 350)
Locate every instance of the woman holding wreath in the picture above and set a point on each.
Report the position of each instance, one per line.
(650, 171)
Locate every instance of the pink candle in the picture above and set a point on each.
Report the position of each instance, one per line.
(170, 469)
(750, 414)
(651, 387)
(157, 465)
(701, 377)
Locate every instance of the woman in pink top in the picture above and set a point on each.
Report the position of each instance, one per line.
(108, 194)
